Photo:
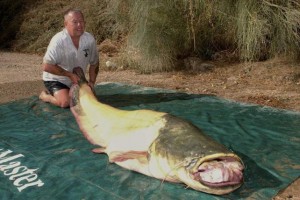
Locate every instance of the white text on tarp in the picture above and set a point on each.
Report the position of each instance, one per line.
(21, 176)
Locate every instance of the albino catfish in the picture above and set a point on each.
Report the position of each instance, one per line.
(156, 144)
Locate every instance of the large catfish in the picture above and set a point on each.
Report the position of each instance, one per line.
(156, 144)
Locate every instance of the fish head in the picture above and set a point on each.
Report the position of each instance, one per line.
(216, 174)
(185, 153)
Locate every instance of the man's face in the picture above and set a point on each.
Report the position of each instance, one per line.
(74, 23)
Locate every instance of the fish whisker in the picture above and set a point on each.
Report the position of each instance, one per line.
(168, 174)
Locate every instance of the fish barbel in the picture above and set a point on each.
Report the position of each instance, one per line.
(156, 144)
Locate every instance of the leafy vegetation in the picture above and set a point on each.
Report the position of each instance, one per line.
(157, 34)
(162, 31)
(11, 18)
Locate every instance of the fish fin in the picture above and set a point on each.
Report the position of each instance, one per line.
(123, 156)
(99, 150)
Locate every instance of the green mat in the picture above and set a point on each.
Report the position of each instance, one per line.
(43, 155)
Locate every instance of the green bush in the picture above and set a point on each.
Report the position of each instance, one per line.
(157, 34)
(11, 18)
(161, 31)
(45, 18)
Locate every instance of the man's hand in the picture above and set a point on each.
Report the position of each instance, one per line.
(91, 84)
(93, 72)
(74, 78)
(57, 70)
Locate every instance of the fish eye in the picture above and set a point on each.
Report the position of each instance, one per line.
(190, 162)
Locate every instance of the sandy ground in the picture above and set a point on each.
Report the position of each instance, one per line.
(273, 83)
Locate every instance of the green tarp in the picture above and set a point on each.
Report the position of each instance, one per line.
(43, 154)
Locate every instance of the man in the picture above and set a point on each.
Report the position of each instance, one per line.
(68, 49)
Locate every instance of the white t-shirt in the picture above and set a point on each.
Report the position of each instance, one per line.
(62, 52)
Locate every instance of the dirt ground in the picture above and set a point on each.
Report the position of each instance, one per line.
(273, 83)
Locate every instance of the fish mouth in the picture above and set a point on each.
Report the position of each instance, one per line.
(219, 172)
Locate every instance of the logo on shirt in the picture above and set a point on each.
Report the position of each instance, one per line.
(86, 52)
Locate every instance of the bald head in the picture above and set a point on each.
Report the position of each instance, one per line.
(74, 22)
(71, 11)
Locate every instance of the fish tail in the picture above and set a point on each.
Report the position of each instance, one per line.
(74, 93)
(79, 72)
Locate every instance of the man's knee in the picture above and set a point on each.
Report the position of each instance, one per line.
(62, 97)
(63, 101)
(64, 104)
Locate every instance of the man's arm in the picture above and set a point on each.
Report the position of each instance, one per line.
(93, 72)
(57, 70)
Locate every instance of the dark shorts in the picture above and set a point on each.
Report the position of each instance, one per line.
(53, 86)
